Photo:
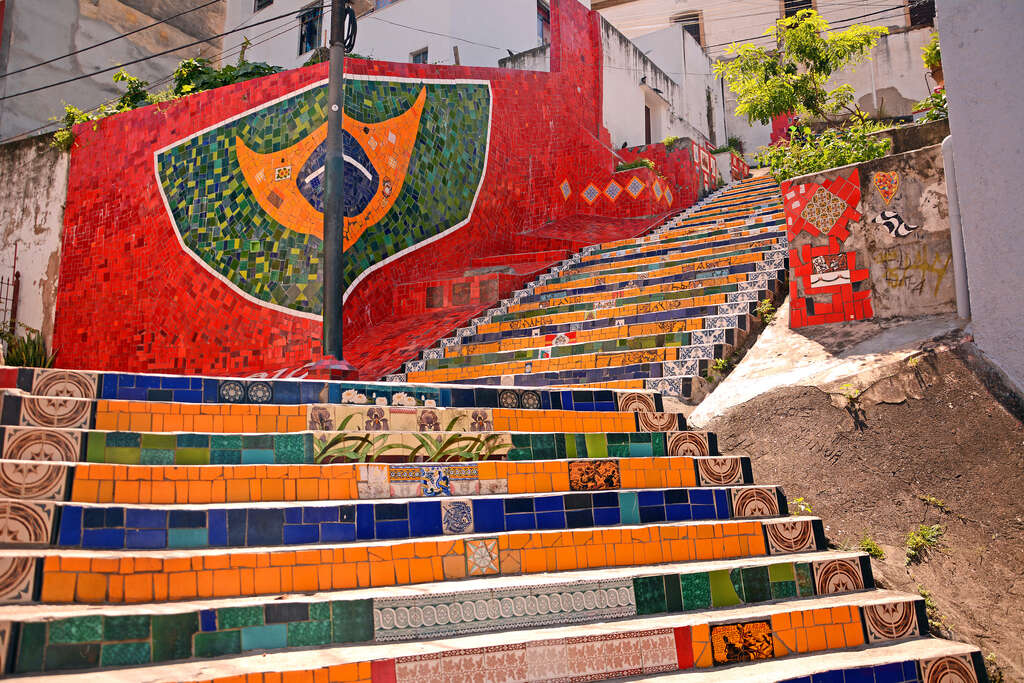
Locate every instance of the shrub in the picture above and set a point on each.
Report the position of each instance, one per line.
(636, 163)
(806, 153)
(28, 351)
(868, 545)
(672, 142)
(931, 54)
(936, 105)
(921, 540)
(765, 311)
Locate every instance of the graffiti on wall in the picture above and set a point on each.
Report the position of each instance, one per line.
(826, 285)
(246, 196)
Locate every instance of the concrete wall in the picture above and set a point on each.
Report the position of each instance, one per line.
(35, 31)
(860, 260)
(679, 109)
(506, 25)
(33, 186)
(982, 51)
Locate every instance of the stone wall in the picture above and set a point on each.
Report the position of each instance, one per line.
(870, 240)
(33, 184)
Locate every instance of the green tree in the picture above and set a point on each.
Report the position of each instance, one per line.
(793, 77)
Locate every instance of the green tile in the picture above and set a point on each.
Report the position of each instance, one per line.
(781, 572)
(172, 635)
(673, 593)
(156, 456)
(319, 611)
(804, 579)
(122, 456)
(650, 594)
(723, 593)
(77, 630)
(640, 450)
(77, 656)
(520, 440)
(658, 443)
(124, 654)
(618, 450)
(783, 589)
(269, 637)
(306, 633)
(756, 586)
(228, 442)
(131, 627)
(187, 538)
(124, 440)
(543, 446)
(238, 617)
(696, 590)
(95, 451)
(570, 446)
(225, 457)
(192, 456)
(353, 621)
(520, 454)
(628, 507)
(161, 441)
(290, 449)
(217, 643)
(597, 446)
(31, 647)
(265, 441)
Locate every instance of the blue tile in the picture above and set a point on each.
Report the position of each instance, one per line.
(175, 382)
(722, 503)
(286, 392)
(264, 527)
(70, 526)
(293, 515)
(103, 538)
(395, 528)
(210, 393)
(652, 514)
(548, 504)
(309, 392)
(425, 518)
(218, 526)
(145, 519)
(147, 381)
(607, 516)
(488, 515)
(649, 498)
(108, 386)
(677, 513)
(125, 380)
(208, 619)
(182, 396)
(145, 538)
(699, 512)
(337, 533)
(364, 522)
(295, 534)
(910, 670)
(828, 677)
(523, 521)
(318, 515)
(187, 519)
(863, 674)
(550, 520)
(890, 673)
(579, 519)
(702, 497)
(114, 517)
(236, 527)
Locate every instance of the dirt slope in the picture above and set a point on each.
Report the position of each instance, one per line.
(864, 467)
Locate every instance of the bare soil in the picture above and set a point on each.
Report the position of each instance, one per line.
(866, 467)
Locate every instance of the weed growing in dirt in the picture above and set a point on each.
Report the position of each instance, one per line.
(994, 671)
(921, 540)
(868, 545)
(935, 621)
(933, 501)
(800, 506)
(765, 311)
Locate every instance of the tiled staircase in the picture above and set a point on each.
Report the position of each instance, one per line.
(650, 312)
(161, 528)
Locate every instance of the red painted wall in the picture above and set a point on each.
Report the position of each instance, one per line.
(131, 299)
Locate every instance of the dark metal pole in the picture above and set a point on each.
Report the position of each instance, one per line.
(334, 191)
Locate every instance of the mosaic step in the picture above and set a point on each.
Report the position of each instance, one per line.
(68, 638)
(135, 576)
(156, 416)
(671, 243)
(194, 389)
(656, 439)
(605, 651)
(243, 525)
(205, 484)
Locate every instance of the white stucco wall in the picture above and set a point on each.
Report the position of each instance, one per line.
(681, 106)
(503, 24)
(981, 49)
(33, 187)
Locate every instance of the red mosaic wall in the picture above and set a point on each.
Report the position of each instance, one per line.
(130, 299)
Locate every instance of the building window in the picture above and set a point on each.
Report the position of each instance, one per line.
(791, 7)
(543, 23)
(691, 23)
(311, 22)
(921, 12)
(419, 57)
(257, 5)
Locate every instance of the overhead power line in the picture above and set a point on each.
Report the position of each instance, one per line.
(108, 41)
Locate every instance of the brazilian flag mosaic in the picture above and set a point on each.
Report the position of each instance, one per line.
(246, 196)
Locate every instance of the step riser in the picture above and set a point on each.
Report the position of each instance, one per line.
(136, 578)
(217, 632)
(590, 264)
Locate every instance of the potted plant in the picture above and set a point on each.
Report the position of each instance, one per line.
(932, 58)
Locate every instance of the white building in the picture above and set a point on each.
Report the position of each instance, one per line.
(891, 83)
